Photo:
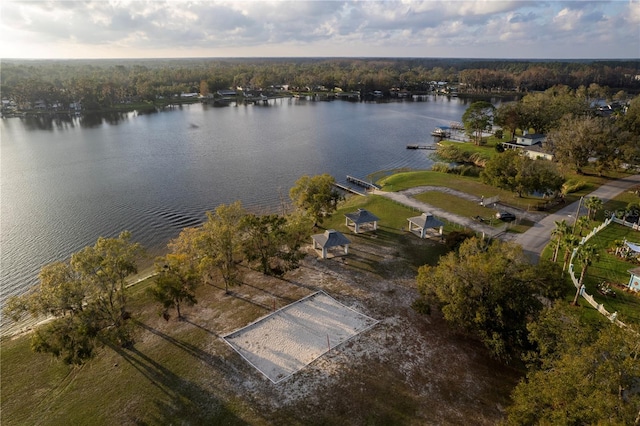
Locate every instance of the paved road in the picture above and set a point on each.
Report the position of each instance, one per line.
(535, 238)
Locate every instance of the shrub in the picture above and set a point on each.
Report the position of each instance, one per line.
(440, 167)
(465, 170)
(573, 185)
(453, 239)
(421, 306)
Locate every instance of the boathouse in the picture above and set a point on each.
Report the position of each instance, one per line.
(420, 225)
(361, 220)
(330, 239)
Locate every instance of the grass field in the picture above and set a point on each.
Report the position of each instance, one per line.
(611, 269)
(409, 369)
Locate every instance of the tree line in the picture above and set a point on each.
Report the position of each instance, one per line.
(577, 135)
(101, 84)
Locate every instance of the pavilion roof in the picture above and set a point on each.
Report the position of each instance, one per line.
(426, 220)
(330, 238)
(362, 216)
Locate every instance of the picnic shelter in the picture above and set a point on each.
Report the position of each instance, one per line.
(328, 240)
(361, 220)
(420, 225)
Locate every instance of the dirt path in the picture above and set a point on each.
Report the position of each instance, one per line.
(535, 238)
(406, 198)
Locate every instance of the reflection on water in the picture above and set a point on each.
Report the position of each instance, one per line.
(48, 121)
(67, 180)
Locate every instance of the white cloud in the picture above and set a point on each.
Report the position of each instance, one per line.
(492, 28)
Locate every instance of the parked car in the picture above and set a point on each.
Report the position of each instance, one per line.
(506, 216)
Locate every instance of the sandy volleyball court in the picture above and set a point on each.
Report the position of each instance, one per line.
(287, 340)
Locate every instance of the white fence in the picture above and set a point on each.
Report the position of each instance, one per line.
(633, 225)
(589, 298)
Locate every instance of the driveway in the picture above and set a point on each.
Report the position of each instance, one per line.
(534, 240)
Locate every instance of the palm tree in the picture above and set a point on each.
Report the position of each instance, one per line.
(593, 204)
(561, 229)
(585, 255)
(569, 242)
(581, 223)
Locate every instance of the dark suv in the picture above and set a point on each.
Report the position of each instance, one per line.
(506, 216)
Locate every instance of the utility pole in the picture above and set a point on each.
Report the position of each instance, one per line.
(573, 231)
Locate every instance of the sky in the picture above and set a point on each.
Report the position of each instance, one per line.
(517, 29)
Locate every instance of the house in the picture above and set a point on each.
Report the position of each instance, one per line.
(529, 139)
(330, 239)
(419, 225)
(226, 92)
(531, 145)
(536, 152)
(634, 282)
(361, 219)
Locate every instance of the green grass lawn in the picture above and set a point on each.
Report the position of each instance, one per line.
(392, 228)
(487, 151)
(470, 185)
(611, 269)
(156, 380)
(459, 206)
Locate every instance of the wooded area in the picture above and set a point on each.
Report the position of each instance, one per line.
(102, 84)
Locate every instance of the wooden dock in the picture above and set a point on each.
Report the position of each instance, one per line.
(349, 189)
(362, 183)
(431, 147)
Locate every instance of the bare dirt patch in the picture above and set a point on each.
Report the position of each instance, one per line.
(408, 369)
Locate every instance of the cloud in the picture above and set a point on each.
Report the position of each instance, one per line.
(494, 28)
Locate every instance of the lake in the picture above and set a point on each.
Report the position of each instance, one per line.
(65, 182)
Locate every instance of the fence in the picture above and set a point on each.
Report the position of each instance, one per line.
(634, 226)
(589, 298)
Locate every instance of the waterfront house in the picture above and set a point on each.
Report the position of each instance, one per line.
(529, 139)
(531, 144)
(226, 92)
(361, 219)
(330, 239)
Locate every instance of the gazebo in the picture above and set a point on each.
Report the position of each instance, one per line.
(330, 238)
(361, 219)
(420, 224)
(634, 282)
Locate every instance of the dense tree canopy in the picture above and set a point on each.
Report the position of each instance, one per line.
(490, 290)
(578, 139)
(516, 172)
(87, 298)
(215, 248)
(315, 195)
(581, 373)
(274, 241)
(175, 283)
(101, 84)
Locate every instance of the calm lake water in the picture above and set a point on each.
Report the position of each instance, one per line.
(64, 183)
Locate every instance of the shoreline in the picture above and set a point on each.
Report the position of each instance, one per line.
(26, 325)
